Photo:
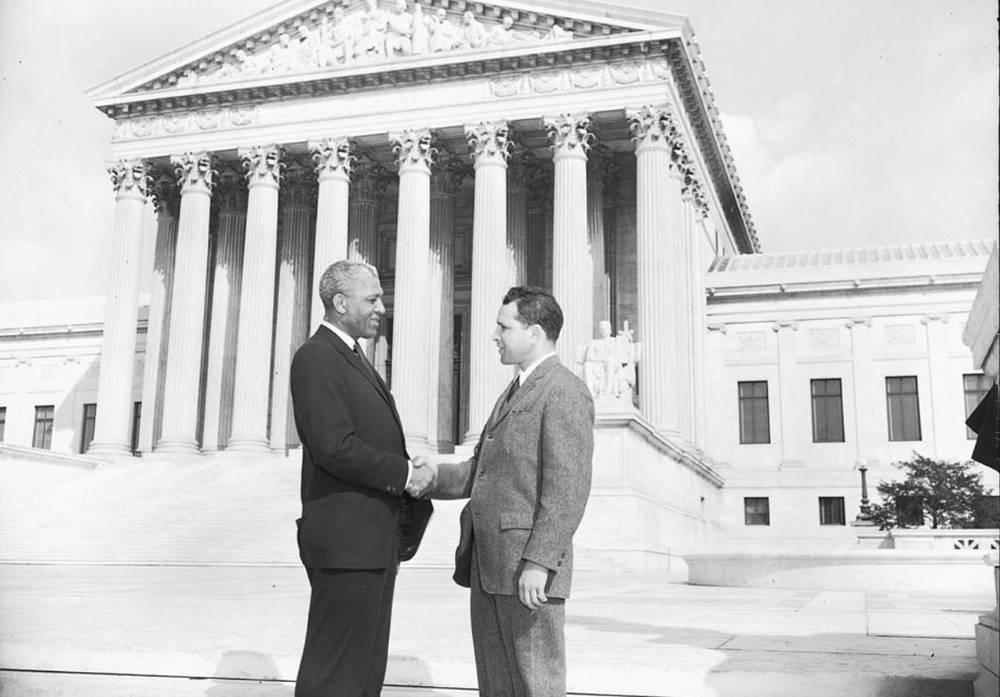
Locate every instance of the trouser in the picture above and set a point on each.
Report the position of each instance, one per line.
(347, 636)
(519, 652)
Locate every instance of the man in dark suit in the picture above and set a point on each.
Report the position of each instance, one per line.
(527, 483)
(357, 521)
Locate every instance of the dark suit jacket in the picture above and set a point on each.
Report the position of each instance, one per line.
(353, 462)
(528, 482)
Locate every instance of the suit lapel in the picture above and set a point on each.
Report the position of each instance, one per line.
(373, 378)
(537, 375)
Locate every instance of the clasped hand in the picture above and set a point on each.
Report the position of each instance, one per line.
(423, 478)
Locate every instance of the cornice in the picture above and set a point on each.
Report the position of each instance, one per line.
(867, 286)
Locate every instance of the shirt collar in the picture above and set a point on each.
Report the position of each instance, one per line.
(523, 375)
(344, 336)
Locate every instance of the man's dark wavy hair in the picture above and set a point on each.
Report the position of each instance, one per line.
(536, 306)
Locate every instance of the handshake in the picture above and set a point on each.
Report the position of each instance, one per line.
(423, 478)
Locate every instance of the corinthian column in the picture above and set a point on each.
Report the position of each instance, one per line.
(253, 344)
(367, 187)
(517, 217)
(166, 201)
(490, 274)
(187, 311)
(572, 270)
(231, 196)
(595, 235)
(298, 195)
(333, 169)
(445, 180)
(659, 251)
(114, 388)
(410, 337)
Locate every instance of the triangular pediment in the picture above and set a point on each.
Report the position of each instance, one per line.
(304, 38)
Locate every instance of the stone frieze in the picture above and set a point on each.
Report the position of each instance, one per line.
(200, 120)
(584, 77)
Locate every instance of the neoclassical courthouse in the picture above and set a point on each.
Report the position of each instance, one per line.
(461, 148)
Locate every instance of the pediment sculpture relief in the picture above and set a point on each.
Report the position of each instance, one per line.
(371, 35)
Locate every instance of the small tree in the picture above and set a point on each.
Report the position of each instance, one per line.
(946, 493)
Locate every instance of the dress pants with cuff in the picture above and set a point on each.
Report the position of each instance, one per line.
(347, 636)
(519, 652)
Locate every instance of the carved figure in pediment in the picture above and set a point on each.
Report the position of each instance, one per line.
(316, 43)
(504, 34)
(189, 78)
(443, 34)
(557, 33)
(371, 35)
(399, 31)
(341, 40)
(421, 35)
(473, 32)
(285, 56)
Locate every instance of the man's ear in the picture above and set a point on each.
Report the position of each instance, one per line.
(538, 333)
(339, 303)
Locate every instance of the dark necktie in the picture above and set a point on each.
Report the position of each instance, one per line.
(513, 388)
(369, 368)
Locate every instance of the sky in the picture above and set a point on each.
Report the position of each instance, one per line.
(852, 122)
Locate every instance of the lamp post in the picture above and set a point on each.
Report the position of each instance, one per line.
(865, 509)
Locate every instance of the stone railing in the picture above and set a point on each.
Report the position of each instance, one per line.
(977, 539)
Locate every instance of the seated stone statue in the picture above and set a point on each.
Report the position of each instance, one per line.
(609, 363)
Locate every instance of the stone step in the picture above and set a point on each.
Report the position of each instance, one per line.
(732, 684)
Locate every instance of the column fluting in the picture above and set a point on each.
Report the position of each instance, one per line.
(595, 236)
(131, 181)
(658, 249)
(256, 324)
(445, 180)
(368, 183)
(410, 336)
(166, 201)
(187, 311)
(298, 197)
(572, 270)
(220, 363)
(517, 217)
(490, 276)
(333, 170)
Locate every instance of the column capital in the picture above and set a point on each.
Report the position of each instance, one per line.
(299, 186)
(569, 134)
(369, 181)
(333, 158)
(231, 191)
(448, 175)
(166, 195)
(263, 165)
(413, 148)
(489, 142)
(195, 172)
(131, 178)
(652, 127)
(522, 170)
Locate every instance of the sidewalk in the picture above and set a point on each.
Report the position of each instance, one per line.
(122, 630)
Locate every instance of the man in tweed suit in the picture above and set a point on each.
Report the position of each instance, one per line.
(527, 483)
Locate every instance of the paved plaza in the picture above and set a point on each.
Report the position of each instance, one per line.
(218, 631)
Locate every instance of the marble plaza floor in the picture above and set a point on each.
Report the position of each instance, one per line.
(228, 631)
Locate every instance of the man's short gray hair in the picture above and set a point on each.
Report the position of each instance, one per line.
(341, 277)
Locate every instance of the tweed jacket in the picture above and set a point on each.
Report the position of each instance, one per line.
(355, 513)
(528, 482)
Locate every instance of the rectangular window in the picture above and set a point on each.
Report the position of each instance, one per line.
(3, 422)
(87, 429)
(754, 424)
(42, 437)
(903, 407)
(756, 510)
(831, 510)
(136, 420)
(827, 411)
(976, 386)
